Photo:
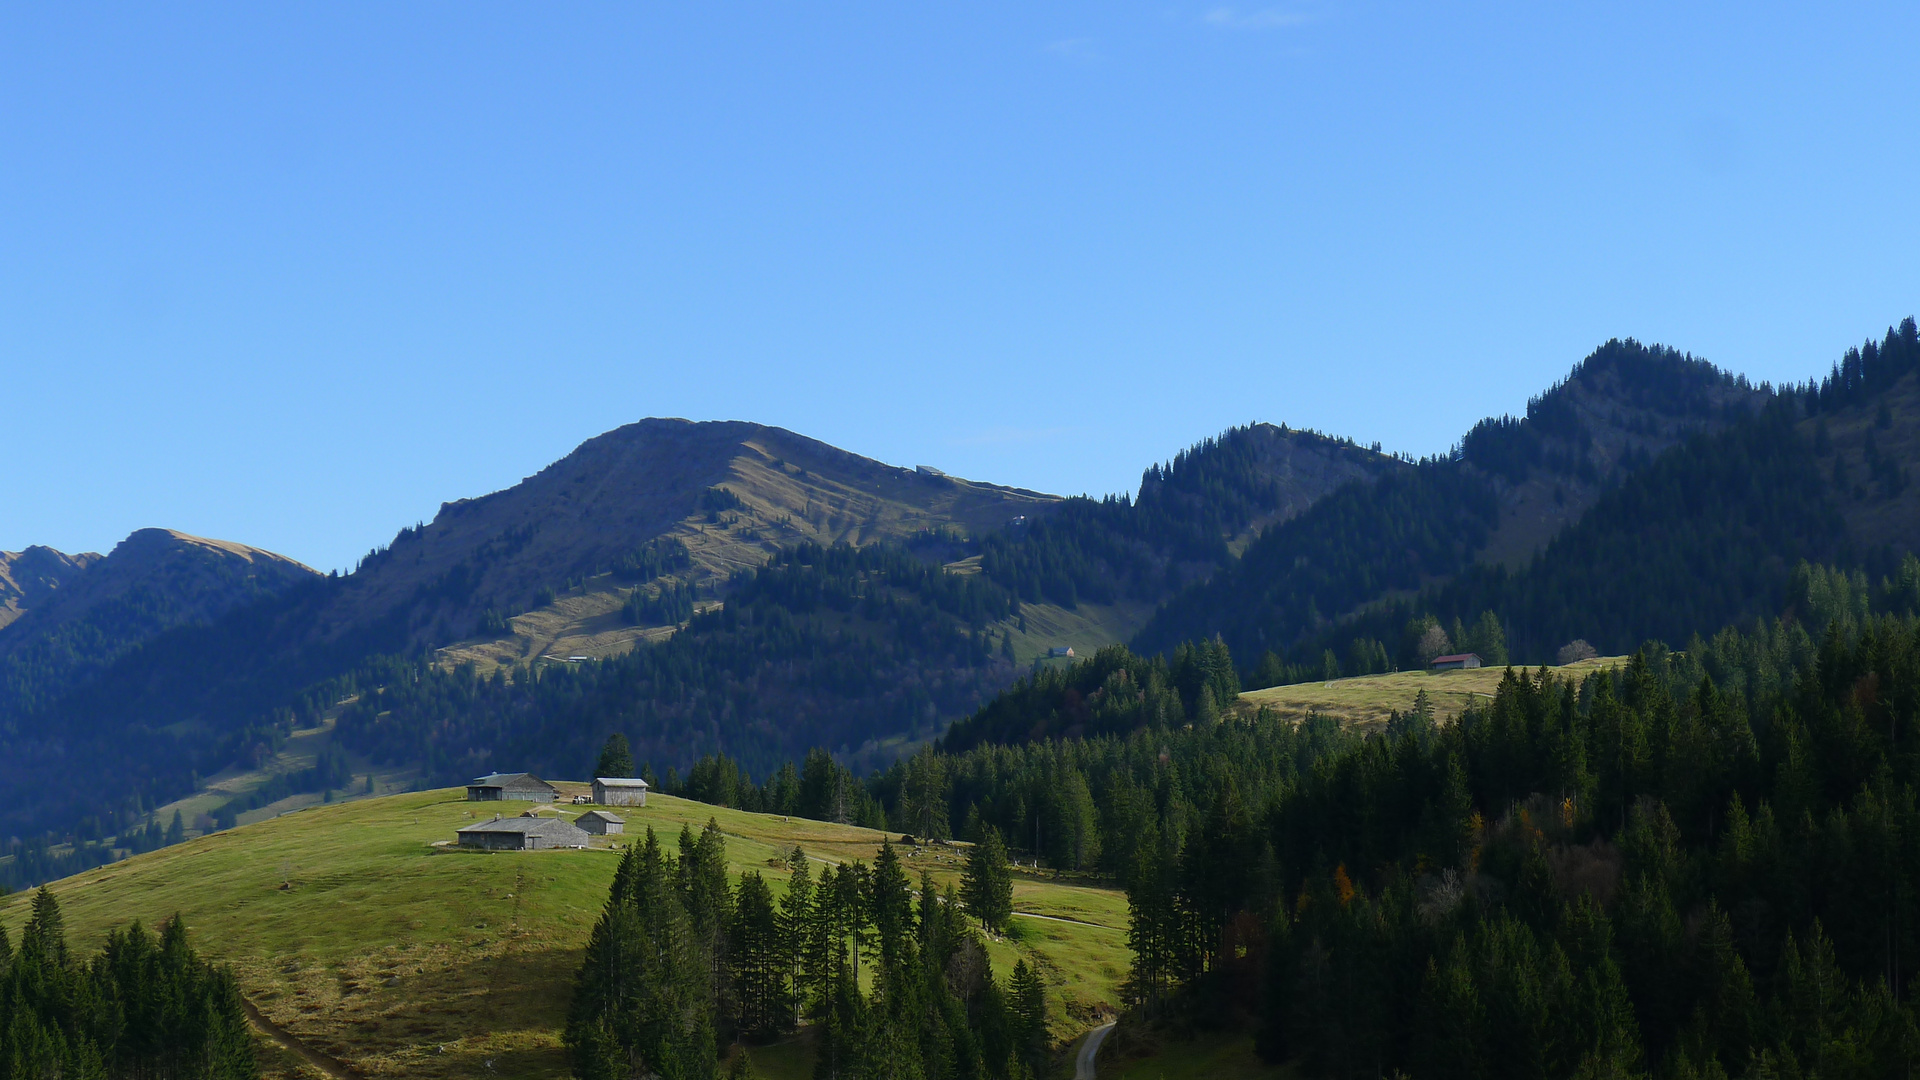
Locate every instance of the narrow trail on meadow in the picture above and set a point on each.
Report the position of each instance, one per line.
(1063, 918)
(331, 1066)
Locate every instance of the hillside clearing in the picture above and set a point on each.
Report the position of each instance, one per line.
(1366, 701)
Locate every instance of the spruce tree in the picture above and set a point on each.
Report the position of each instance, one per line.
(1028, 1006)
(616, 757)
(890, 906)
(796, 916)
(757, 967)
(45, 938)
(987, 883)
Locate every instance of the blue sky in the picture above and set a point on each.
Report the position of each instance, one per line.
(295, 275)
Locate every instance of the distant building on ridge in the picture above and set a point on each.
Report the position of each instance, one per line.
(1455, 662)
(511, 787)
(619, 791)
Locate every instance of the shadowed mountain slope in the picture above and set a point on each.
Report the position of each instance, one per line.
(1702, 535)
(83, 613)
(732, 493)
(1509, 487)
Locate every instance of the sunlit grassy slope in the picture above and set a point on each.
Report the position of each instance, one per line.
(349, 927)
(1366, 700)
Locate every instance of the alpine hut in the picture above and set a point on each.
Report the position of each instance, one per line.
(523, 834)
(619, 791)
(1455, 662)
(510, 786)
(601, 823)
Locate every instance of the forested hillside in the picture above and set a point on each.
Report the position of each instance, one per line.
(1702, 536)
(1505, 491)
(825, 646)
(83, 614)
(1692, 865)
(1188, 519)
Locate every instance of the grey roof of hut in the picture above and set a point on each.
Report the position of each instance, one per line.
(552, 828)
(603, 816)
(502, 779)
(620, 781)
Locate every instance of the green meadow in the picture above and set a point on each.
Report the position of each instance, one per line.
(364, 933)
(1366, 701)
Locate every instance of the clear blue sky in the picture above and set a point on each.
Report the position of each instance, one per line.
(294, 276)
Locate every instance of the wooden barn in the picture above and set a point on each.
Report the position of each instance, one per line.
(601, 823)
(1455, 662)
(523, 834)
(511, 787)
(619, 791)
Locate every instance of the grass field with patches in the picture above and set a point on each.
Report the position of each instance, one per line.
(1366, 700)
(361, 930)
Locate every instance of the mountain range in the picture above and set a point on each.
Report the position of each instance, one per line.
(733, 587)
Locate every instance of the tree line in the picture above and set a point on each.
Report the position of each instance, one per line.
(1697, 864)
(146, 1007)
(682, 963)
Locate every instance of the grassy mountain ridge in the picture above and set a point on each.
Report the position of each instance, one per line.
(29, 576)
(731, 492)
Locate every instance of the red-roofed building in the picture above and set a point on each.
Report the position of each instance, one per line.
(1454, 662)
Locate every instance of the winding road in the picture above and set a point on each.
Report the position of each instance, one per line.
(1090, 1049)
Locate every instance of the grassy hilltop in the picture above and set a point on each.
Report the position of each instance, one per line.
(1367, 701)
(360, 930)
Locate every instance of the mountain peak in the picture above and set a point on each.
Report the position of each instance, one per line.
(29, 577)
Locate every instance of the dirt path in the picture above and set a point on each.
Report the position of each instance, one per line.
(331, 1066)
(1062, 918)
(1090, 1049)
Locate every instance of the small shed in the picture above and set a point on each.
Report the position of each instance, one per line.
(601, 823)
(523, 834)
(512, 787)
(1061, 650)
(1455, 662)
(619, 791)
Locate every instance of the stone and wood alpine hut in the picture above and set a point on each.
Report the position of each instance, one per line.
(1456, 662)
(619, 791)
(511, 787)
(601, 823)
(523, 834)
